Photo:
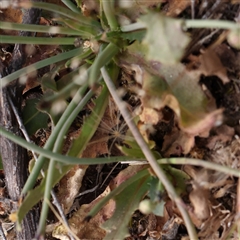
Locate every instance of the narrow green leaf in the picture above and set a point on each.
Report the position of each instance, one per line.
(126, 203)
(141, 174)
(38, 28)
(37, 40)
(62, 11)
(33, 67)
(91, 123)
(33, 119)
(35, 195)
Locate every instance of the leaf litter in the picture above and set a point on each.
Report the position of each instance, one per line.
(186, 111)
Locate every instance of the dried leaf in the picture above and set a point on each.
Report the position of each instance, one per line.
(88, 229)
(174, 86)
(175, 7)
(211, 65)
(69, 186)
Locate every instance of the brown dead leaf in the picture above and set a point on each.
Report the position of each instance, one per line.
(97, 146)
(124, 175)
(223, 134)
(227, 56)
(199, 199)
(238, 199)
(88, 229)
(68, 187)
(177, 142)
(89, 6)
(175, 7)
(150, 116)
(170, 228)
(211, 65)
(10, 15)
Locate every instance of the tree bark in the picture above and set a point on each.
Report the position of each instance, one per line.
(14, 158)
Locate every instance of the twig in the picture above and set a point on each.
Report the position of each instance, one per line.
(193, 8)
(2, 232)
(148, 154)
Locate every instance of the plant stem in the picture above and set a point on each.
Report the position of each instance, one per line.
(133, 27)
(46, 199)
(210, 24)
(33, 67)
(38, 28)
(202, 163)
(101, 60)
(149, 156)
(70, 119)
(71, 6)
(108, 8)
(37, 40)
(58, 157)
(60, 10)
(50, 142)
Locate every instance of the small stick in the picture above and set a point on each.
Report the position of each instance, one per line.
(2, 232)
(148, 154)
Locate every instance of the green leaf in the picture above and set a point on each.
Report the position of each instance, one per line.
(164, 38)
(127, 201)
(178, 178)
(33, 119)
(34, 196)
(132, 36)
(91, 123)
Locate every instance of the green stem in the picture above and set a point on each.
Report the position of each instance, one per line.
(38, 28)
(210, 24)
(85, 31)
(33, 67)
(70, 119)
(59, 157)
(60, 10)
(149, 155)
(104, 201)
(51, 140)
(46, 199)
(101, 60)
(51, 169)
(133, 27)
(202, 163)
(37, 40)
(188, 24)
(108, 8)
(71, 6)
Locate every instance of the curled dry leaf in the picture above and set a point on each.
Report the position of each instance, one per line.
(84, 229)
(91, 229)
(199, 199)
(223, 134)
(176, 87)
(211, 65)
(177, 143)
(175, 7)
(69, 186)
